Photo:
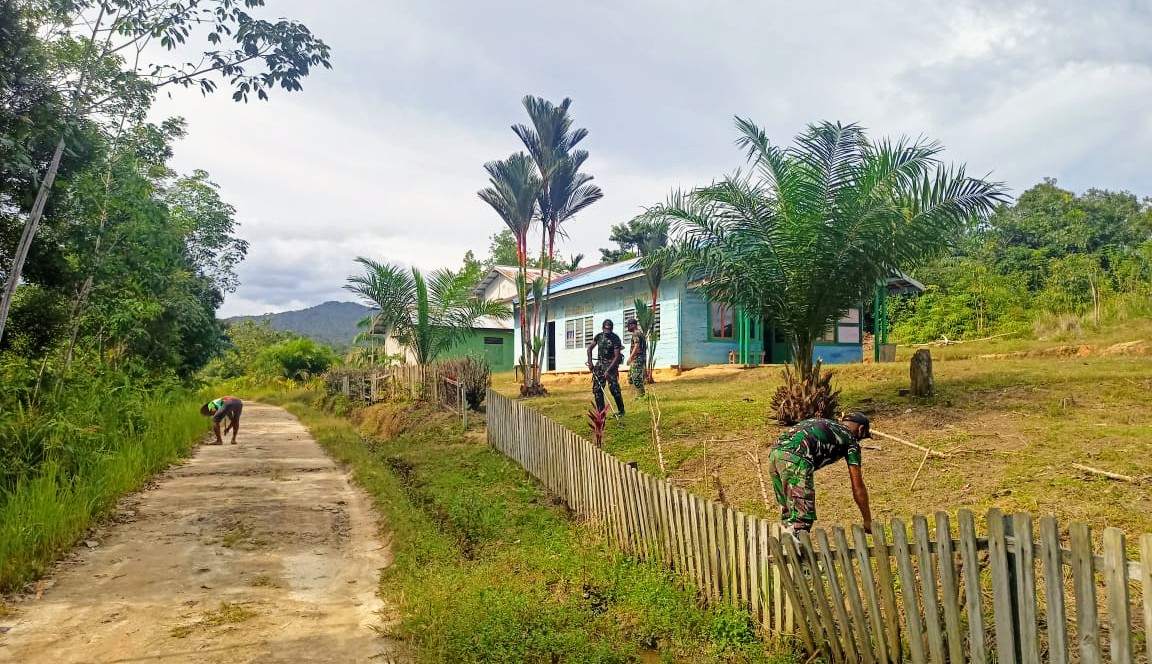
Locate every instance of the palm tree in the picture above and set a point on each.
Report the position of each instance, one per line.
(515, 187)
(428, 316)
(650, 241)
(809, 230)
(564, 192)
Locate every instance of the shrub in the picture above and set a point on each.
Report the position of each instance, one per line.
(475, 373)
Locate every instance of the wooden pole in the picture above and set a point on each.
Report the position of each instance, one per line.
(930, 452)
(1105, 473)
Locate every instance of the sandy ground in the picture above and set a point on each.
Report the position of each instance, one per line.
(259, 552)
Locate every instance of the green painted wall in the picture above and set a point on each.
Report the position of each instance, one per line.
(483, 343)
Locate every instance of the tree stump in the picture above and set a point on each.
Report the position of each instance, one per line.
(920, 370)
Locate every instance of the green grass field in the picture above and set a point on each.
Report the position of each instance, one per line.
(1010, 427)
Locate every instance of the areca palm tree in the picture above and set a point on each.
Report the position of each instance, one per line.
(809, 230)
(564, 191)
(515, 188)
(428, 316)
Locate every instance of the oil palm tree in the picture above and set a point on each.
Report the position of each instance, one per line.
(809, 230)
(515, 187)
(427, 315)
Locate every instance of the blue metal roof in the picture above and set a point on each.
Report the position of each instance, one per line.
(594, 275)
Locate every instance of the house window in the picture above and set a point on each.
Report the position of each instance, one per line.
(493, 341)
(849, 334)
(721, 321)
(578, 332)
(577, 310)
(829, 336)
(631, 313)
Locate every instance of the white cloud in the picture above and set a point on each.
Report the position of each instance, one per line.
(383, 155)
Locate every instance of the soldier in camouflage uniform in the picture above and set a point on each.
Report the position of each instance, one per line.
(607, 369)
(808, 447)
(638, 359)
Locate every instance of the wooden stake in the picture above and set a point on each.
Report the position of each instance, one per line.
(1114, 476)
(939, 455)
(760, 474)
(917, 475)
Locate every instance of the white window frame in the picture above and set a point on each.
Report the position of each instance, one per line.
(579, 332)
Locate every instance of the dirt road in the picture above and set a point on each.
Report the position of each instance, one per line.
(259, 552)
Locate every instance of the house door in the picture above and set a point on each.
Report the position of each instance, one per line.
(550, 345)
(494, 353)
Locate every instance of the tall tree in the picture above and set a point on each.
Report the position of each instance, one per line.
(810, 229)
(564, 192)
(502, 251)
(101, 45)
(515, 188)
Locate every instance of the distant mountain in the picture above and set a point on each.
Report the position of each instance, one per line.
(331, 323)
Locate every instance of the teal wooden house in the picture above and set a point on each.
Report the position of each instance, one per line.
(693, 331)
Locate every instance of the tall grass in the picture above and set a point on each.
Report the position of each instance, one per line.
(66, 460)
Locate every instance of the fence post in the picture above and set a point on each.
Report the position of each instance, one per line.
(1013, 587)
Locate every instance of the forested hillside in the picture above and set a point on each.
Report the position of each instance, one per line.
(332, 323)
(1050, 264)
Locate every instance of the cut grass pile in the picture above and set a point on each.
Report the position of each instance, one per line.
(1011, 429)
(487, 568)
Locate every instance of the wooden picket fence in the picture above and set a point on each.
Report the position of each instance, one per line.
(1011, 595)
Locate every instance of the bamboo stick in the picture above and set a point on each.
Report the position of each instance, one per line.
(909, 443)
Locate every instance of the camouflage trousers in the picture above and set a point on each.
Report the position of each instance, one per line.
(601, 377)
(637, 374)
(795, 490)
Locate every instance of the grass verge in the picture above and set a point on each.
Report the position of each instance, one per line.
(489, 569)
(87, 470)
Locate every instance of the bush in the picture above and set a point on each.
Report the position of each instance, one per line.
(295, 359)
(475, 373)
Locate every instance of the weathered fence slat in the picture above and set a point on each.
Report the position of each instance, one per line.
(928, 588)
(868, 584)
(887, 591)
(1054, 614)
(1025, 589)
(1001, 596)
(836, 597)
(1146, 588)
(793, 587)
(852, 590)
(731, 547)
(949, 589)
(819, 598)
(1084, 581)
(743, 565)
(908, 591)
(973, 595)
(1116, 581)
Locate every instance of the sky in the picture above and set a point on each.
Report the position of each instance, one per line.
(382, 155)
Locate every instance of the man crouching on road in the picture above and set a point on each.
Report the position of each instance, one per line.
(806, 448)
(224, 407)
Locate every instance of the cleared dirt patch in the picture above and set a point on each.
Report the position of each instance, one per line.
(259, 552)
